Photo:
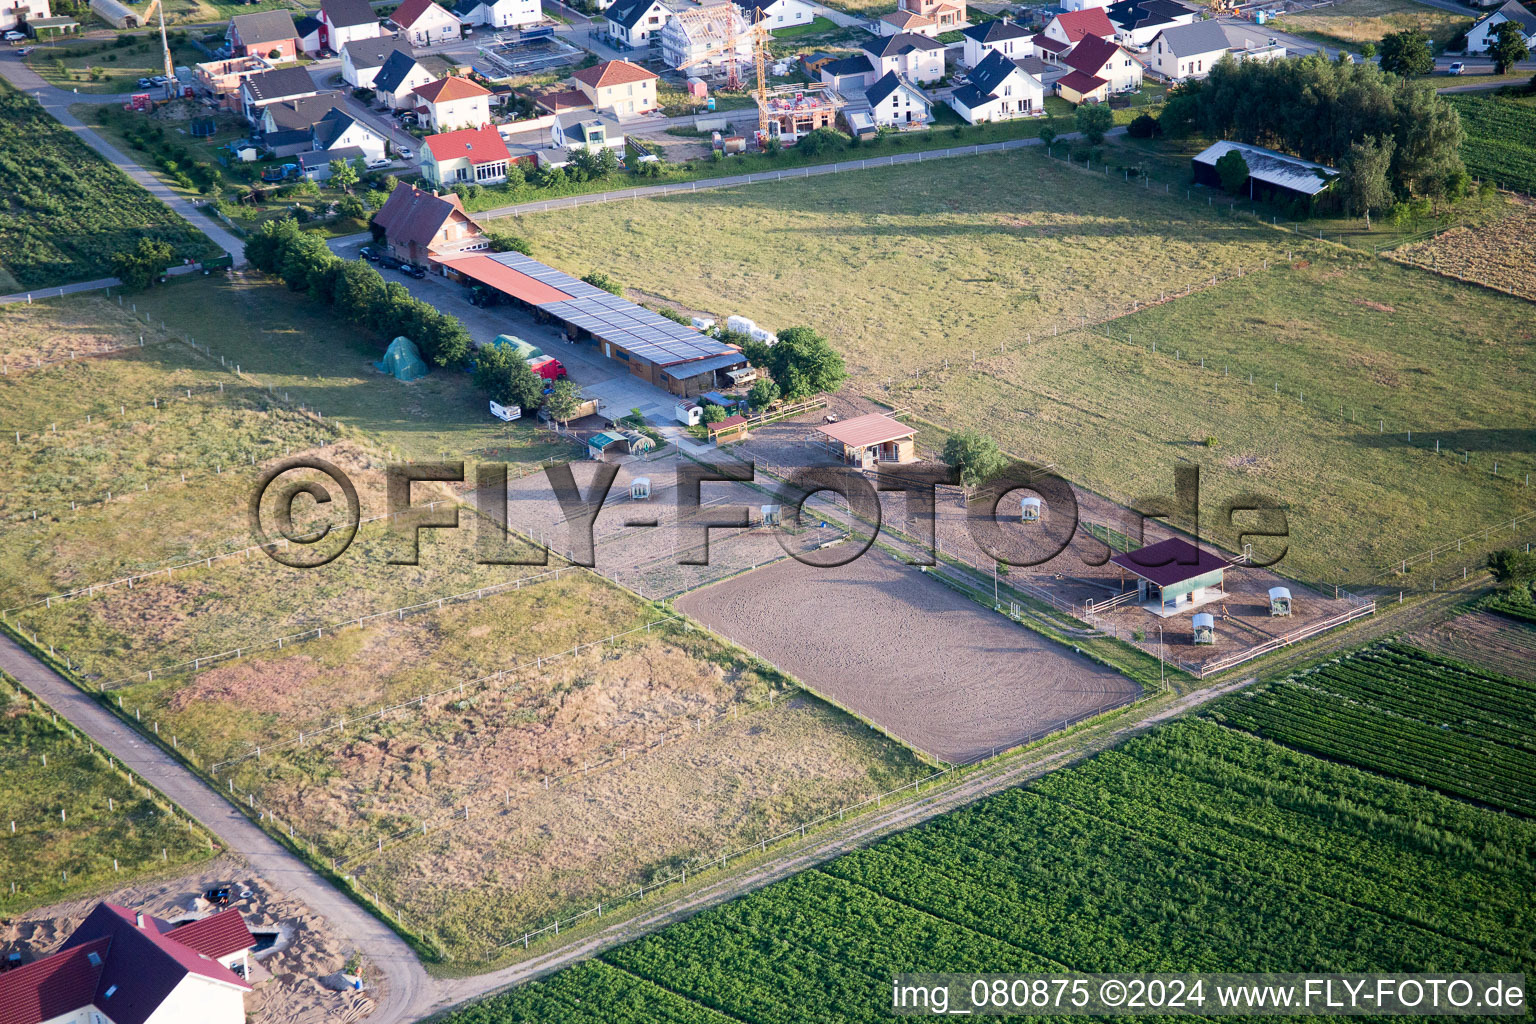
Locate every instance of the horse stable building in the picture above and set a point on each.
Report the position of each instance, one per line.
(669, 355)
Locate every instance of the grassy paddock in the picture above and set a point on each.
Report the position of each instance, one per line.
(108, 814)
(1440, 359)
(904, 266)
(1352, 22)
(92, 66)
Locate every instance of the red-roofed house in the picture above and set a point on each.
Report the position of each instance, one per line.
(1074, 26)
(1077, 88)
(1107, 61)
(470, 156)
(455, 102)
(122, 967)
(423, 22)
(618, 86)
(417, 225)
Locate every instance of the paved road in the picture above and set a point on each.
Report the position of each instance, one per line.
(57, 102)
(407, 986)
(82, 286)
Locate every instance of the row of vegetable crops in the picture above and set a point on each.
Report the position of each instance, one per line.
(1194, 847)
(1410, 714)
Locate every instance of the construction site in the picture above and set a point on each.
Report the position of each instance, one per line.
(529, 53)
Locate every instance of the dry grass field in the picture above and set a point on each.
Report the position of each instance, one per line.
(1482, 638)
(904, 267)
(1352, 22)
(1502, 253)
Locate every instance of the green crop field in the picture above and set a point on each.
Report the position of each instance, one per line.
(1405, 712)
(1499, 132)
(1194, 848)
(65, 210)
(75, 814)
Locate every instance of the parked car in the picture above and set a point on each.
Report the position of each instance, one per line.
(412, 270)
(370, 253)
(390, 263)
(145, 83)
(405, 152)
(25, 50)
(157, 80)
(15, 37)
(1456, 68)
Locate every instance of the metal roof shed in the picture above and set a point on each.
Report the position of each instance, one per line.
(1174, 574)
(873, 437)
(1271, 175)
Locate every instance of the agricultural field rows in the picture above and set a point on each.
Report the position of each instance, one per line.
(80, 822)
(1410, 714)
(1499, 130)
(1192, 848)
(67, 210)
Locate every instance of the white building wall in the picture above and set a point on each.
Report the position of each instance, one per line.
(198, 1000)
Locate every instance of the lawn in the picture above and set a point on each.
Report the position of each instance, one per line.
(114, 66)
(1194, 848)
(1352, 22)
(905, 266)
(1447, 362)
(1499, 130)
(66, 210)
(82, 824)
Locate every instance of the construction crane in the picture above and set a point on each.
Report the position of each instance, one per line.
(165, 46)
(710, 18)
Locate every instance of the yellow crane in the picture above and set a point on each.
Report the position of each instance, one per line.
(165, 46)
(757, 32)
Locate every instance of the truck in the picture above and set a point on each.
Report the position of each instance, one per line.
(548, 367)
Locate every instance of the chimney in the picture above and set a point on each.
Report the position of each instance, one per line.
(138, 919)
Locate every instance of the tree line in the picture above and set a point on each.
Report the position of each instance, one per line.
(1392, 137)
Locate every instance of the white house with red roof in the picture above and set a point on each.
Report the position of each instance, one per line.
(471, 156)
(123, 967)
(455, 102)
(422, 23)
(1065, 31)
(618, 86)
(1106, 62)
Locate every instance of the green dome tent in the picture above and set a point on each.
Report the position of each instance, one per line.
(524, 349)
(403, 359)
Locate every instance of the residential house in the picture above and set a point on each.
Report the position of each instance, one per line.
(776, 14)
(947, 15)
(499, 13)
(316, 164)
(1078, 88)
(1006, 37)
(342, 21)
(999, 89)
(468, 156)
(339, 130)
(273, 86)
(423, 23)
(288, 126)
(700, 39)
(16, 14)
(1481, 36)
(130, 968)
(1139, 21)
(455, 102)
(361, 59)
(1187, 51)
(222, 79)
(618, 86)
(587, 130)
(896, 102)
(1114, 65)
(636, 24)
(415, 225)
(310, 29)
(1071, 27)
(1083, 5)
(900, 21)
(849, 74)
(269, 34)
(395, 84)
(917, 57)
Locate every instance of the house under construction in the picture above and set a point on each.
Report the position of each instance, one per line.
(793, 111)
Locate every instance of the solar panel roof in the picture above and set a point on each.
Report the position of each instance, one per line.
(637, 330)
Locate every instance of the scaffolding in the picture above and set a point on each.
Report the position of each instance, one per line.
(793, 111)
